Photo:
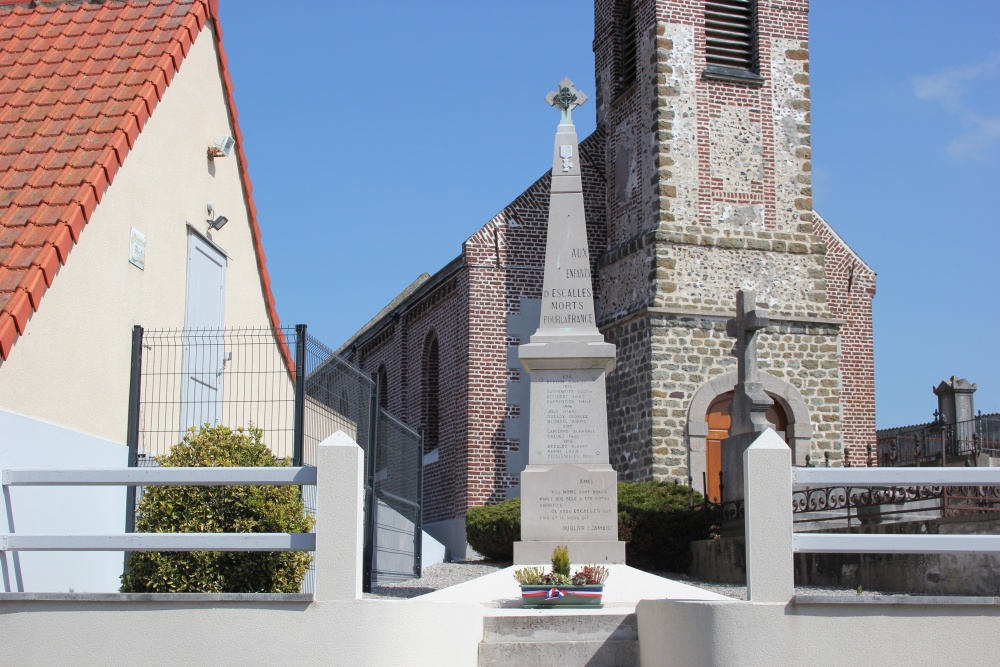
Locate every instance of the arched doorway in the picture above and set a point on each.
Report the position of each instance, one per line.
(719, 422)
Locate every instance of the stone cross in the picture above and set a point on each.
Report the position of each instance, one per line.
(566, 98)
(750, 402)
(744, 327)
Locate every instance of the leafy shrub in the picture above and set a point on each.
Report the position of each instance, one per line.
(219, 509)
(655, 520)
(492, 529)
(658, 524)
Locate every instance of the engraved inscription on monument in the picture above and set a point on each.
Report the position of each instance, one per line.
(572, 423)
(573, 503)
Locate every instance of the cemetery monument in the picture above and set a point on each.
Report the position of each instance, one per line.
(569, 491)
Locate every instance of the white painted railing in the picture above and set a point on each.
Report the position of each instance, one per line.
(337, 540)
(770, 543)
(230, 476)
(901, 478)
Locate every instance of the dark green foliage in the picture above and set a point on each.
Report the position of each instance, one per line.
(219, 509)
(655, 520)
(492, 529)
(658, 524)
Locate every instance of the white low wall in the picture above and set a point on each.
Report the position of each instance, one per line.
(30, 443)
(350, 633)
(751, 634)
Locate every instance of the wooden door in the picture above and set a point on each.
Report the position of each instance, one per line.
(718, 430)
(719, 422)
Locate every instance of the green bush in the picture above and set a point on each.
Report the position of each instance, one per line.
(657, 523)
(219, 509)
(654, 520)
(492, 529)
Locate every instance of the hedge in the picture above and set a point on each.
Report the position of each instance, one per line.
(219, 509)
(655, 520)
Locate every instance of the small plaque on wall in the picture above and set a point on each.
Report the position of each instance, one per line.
(137, 249)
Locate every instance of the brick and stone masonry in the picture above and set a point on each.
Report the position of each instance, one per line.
(695, 186)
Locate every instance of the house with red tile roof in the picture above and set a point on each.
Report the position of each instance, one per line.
(120, 154)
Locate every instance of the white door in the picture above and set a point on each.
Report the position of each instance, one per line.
(204, 348)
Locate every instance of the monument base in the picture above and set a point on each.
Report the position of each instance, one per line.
(580, 553)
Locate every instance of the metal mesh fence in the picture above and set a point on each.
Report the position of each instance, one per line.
(247, 378)
(233, 377)
(338, 397)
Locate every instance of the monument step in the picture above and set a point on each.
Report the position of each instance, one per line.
(592, 653)
(559, 639)
(548, 626)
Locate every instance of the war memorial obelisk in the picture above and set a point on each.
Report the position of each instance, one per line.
(569, 491)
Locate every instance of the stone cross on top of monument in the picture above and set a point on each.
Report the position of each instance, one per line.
(566, 98)
(750, 402)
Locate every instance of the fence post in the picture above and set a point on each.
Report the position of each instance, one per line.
(298, 435)
(339, 522)
(767, 483)
(418, 524)
(132, 437)
(373, 423)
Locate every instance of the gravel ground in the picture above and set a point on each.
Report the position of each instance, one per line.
(435, 577)
(443, 575)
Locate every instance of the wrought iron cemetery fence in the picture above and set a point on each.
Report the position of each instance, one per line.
(938, 443)
(249, 378)
(814, 508)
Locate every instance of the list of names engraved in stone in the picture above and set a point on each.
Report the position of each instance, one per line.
(569, 433)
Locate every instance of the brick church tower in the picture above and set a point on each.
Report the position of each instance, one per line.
(705, 105)
(696, 184)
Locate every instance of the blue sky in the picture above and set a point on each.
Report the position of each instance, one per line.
(380, 135)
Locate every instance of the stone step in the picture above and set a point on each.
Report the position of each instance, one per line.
(549, 626)
(592, 653)
(554, 639)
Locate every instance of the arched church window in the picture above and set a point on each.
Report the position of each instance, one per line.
(382, 446)
(431, 409)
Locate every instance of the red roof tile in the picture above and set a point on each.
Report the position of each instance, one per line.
(77, 84)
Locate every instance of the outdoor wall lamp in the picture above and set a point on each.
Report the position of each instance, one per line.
(218, 223)
(221, 147)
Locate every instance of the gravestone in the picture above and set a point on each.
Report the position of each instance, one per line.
(569, 491)
(748, 411)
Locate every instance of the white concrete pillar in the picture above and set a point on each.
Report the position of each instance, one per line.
(340, 529)
(767, 479)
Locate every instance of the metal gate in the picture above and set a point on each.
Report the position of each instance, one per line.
(393, 500)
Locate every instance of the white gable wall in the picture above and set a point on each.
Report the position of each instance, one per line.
(64, 389)
(71, 367)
